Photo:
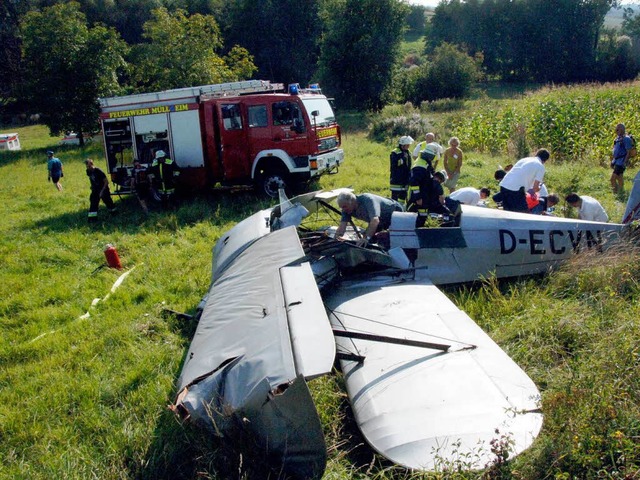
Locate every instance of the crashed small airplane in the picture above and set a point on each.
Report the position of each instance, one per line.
(426, 384)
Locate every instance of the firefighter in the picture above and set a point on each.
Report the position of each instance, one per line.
(140, 184)
(420, 181)
(164, 170)
(400, 171)
(430, 200)
(99, 190)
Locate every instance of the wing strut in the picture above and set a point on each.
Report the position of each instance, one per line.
(332, 208)
(395, 340)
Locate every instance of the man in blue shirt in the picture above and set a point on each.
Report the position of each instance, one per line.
(54, 167)
(620, 158)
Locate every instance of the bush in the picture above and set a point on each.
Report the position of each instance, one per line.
(450, 73)
(390, 128)
(442, 105)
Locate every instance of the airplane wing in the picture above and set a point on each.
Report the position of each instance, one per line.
(426, 407)
(262, 332)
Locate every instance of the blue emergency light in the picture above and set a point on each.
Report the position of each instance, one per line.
(293, 88)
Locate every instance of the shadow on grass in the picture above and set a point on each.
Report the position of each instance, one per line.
(39, 155)
(181, 450)
(218, 207)
(352, 445)
(14, 156)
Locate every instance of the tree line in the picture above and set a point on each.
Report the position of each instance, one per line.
(58, 57)
(537, 40)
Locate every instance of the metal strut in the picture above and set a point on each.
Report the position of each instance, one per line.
(394, 340)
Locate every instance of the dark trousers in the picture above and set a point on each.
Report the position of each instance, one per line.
(514, 201)
(94, 201)
(399, 194)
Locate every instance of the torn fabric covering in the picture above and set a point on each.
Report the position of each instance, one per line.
(241, 369)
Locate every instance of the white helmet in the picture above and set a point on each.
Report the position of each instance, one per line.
(160, 154)
(431, 148)
(406, 140)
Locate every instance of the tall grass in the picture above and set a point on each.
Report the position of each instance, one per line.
(85, 396)
(576, 123)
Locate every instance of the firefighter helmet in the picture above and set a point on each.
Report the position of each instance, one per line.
(405, 140)
(160, 154)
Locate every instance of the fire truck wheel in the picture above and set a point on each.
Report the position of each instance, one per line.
(271, 181)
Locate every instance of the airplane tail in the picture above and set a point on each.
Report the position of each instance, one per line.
(632, 212)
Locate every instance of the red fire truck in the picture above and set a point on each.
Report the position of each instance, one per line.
(238, 133)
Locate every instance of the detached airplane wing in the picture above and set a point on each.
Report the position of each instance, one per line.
(430, 388)
(262, 332)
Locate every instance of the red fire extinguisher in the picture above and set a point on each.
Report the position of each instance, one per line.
(111, 254)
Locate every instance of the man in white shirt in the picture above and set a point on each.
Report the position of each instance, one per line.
(588, 208)
(526, 174)
(470, 195)
(434, 147)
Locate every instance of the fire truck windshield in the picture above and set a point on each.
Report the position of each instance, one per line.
(321, 105)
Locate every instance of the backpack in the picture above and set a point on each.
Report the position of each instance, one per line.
(633, 152)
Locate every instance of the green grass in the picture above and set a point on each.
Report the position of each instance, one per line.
(412, 44)
(86, 396)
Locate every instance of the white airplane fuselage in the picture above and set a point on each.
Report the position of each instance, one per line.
(491, 242)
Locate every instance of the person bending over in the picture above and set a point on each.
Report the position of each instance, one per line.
(368, 207)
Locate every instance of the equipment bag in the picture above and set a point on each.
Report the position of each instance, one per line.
(633, 152)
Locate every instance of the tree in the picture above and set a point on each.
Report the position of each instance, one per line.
(525, 39)
(10, 67)
(9, 49)
(416, 19)
(631, 23)
(283, 36)
(68, 67)
(126, 16)
(449, 73)
(616, 60)
(181, 51)
(359, 49)
(631, 27)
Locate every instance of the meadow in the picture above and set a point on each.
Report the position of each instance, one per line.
(86, 374)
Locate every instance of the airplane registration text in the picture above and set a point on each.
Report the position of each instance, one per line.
(556, 242)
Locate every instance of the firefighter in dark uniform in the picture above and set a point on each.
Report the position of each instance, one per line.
(430, 200)
(420, 181)
(400, 168)
(99, 190)
(164, 170)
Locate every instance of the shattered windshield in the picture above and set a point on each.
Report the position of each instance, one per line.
(325, 112)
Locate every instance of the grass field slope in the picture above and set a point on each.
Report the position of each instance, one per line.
(87, 371)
